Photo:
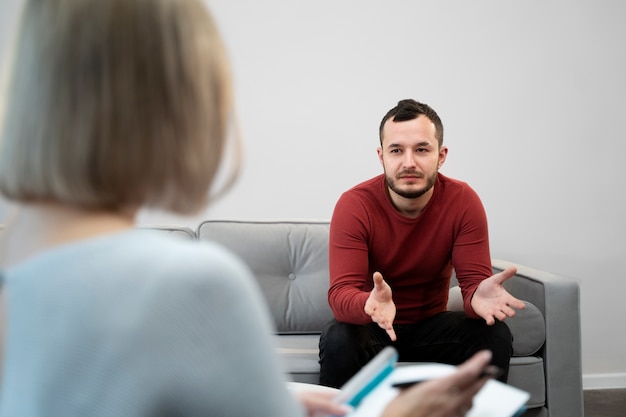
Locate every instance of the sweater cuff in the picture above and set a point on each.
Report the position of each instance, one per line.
(467, 306)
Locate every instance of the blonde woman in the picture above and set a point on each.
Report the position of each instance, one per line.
(115, 105)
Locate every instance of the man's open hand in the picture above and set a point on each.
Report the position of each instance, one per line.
(491, 301)
(380, 306)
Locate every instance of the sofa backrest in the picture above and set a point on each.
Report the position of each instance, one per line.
(178, 231)
(290, 262)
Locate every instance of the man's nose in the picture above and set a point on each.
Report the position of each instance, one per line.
(409, 159)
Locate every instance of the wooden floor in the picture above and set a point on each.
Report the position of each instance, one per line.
(605, 403)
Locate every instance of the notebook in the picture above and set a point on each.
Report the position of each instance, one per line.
(371, 389)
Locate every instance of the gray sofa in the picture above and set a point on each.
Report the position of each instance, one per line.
(290, 262)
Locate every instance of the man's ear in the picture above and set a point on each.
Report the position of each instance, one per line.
(379, 151)
(443, 153)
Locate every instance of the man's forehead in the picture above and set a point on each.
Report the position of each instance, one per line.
(416, 131)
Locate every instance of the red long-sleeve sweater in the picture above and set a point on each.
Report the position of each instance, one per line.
(415, 256)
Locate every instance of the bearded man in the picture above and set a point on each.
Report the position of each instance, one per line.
(394, 242)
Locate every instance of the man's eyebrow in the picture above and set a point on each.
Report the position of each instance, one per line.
(424, 143)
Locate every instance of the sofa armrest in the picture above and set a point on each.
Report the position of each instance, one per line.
(558, 298)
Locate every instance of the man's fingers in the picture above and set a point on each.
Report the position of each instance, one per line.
(378, 280)
(505, 275)
(386, 326)
(518, 304)
(500, 315)
(384, 296)
(509, 312)
(389, 329)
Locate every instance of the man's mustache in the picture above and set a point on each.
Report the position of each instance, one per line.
(411, 173)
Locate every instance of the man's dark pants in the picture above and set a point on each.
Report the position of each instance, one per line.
(449, 337)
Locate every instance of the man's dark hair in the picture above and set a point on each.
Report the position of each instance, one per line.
(410, 109)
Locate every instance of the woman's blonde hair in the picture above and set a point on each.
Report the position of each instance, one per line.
(116, 104)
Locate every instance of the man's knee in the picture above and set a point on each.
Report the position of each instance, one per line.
(341, 352)
(501, 335)
(501, 345)
(498, 333)
(338, 336)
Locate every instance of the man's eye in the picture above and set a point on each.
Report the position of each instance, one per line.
(421, 150)
(395, 151)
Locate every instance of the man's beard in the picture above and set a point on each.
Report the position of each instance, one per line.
(410, 194)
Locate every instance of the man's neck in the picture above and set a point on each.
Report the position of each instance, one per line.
(410, 207)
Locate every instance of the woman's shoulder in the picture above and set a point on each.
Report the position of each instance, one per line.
(133, 258)
(186, 258)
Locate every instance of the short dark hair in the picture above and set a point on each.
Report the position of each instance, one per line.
(410, 109)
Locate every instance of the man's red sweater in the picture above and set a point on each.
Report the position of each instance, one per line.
(415, 256)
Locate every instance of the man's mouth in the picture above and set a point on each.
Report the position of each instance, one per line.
(410, 176)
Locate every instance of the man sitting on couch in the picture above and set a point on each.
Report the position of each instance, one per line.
(408, 228)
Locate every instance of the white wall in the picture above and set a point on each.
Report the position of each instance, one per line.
(531, 94)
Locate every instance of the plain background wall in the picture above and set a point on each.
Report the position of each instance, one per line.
(532, 96)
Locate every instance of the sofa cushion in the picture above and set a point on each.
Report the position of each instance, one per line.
(527, 326)
(290, 262)
(455, 299)
(299, 356)
(529, 330)
(527, 373)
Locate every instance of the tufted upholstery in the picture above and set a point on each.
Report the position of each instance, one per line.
(289, 277)
(290, 262)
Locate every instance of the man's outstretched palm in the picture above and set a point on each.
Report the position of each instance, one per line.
(380, 306)
(492, 302)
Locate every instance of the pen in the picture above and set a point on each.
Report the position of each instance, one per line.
(407, 384)
(490, 371)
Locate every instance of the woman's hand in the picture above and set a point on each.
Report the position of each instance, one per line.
(318, 403)
(450, 396)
